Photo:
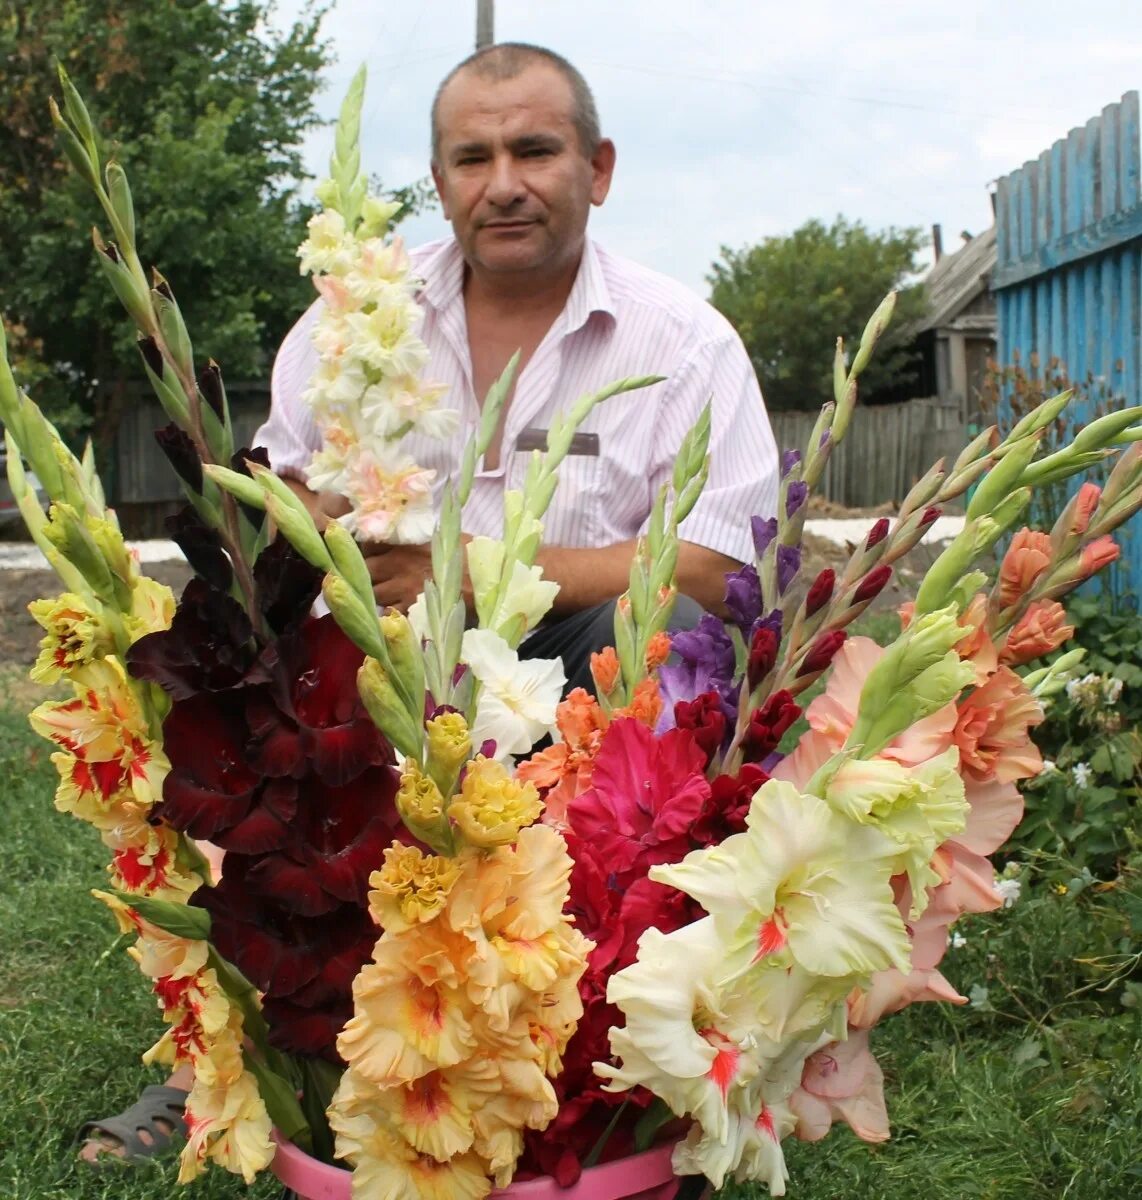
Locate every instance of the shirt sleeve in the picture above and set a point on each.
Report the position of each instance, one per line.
(743, 454)
(289, 433)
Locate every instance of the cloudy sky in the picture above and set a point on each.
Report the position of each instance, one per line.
(740, 119)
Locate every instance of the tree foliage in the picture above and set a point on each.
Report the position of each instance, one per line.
(205, 104)
(791, 297)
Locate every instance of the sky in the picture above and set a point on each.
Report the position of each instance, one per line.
(737, 120)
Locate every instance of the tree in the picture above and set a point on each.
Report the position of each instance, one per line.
(205, 104)
(791, 297)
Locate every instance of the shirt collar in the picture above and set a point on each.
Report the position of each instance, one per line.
(443, 272)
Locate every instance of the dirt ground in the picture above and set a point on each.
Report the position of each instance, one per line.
(20, 635)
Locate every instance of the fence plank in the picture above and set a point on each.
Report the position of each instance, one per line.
(1070, 285)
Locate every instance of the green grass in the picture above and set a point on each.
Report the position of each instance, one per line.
(1035, 1095)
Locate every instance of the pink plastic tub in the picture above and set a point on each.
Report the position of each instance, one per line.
(646, 1176)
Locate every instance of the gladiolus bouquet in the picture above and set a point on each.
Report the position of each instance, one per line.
(377, 920)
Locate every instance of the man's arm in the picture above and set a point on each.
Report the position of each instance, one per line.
(590, 577)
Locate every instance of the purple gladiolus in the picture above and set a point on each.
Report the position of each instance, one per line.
(789, 459)
(795, 495)
(743, 597)
(788, 564)
(706, 663)
(764, 530)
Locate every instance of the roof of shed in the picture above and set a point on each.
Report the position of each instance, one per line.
(957, 279)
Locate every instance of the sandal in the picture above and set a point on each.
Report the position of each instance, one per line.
(156, 1107)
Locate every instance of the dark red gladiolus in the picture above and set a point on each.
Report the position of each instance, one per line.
(822, 651)
(730, 798)
(767, 726)
(930, 514)
(274, 759)
(762, 655)
(877, 533)
(872, 584)
(820, 592)
(705, 718)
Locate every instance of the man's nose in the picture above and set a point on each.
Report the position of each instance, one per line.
(505, 187)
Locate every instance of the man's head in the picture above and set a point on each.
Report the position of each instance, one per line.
(518, 159)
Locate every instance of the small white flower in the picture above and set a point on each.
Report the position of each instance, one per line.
(1082, 774)
(958, 941)
(1009, 889)
(1048, 767)
(978, 997)
(1111, 690)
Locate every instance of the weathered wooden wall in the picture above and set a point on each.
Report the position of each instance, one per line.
(886, 449)
(1069, 270)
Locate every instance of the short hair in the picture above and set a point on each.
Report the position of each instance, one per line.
(506, 60)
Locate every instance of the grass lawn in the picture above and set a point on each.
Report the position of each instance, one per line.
(1034, 1094)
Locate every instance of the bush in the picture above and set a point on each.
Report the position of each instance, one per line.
(1084, 805)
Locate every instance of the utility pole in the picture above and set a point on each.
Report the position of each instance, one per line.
(485, 22)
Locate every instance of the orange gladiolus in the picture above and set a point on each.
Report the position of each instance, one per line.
(1041, 629)
(1028, 556)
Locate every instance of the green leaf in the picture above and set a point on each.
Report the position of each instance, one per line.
(650, 1123)
(280, 1099)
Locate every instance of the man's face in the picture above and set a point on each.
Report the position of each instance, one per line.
(512, 176)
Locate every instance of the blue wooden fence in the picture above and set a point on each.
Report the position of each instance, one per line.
(1068, 274)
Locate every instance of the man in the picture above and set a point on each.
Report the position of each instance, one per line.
(518, 162)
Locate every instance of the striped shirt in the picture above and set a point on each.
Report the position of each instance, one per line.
(620, 320)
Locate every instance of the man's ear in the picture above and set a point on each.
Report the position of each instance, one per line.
(602, 169)
(438, 180)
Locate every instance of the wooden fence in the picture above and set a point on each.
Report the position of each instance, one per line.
(142, 486)
(886, 449)
(1069, 270)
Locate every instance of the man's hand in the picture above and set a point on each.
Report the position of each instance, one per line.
(398, 572)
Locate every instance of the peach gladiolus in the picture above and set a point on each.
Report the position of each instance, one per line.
(991, 730)
(1028, 556)
(842, 1080)
(1041, 629)
(833, 714)
(892, 991)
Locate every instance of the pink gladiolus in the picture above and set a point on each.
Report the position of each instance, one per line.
(992, 730)
(1041, 629)
(842, 1081)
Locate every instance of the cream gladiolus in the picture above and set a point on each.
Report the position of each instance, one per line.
(517, 698)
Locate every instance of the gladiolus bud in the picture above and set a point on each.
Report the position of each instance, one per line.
(877, 533)
(657, 650)
(762, 655)
(930, 514)
(605, 670)
(1098, 554)
(404, 654)
(386, 708)
(1086, 501)
(872, 584)
(821, 652)
(820, 592)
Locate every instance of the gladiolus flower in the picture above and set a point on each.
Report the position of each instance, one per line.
(657, 650)
(992, 730)
(1041, 629)
(767, 725)
(76, 635)
(704, 718)
(493, 807)
(1027, 558)
(411, 887)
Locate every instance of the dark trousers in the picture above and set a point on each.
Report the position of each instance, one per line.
(576, 637)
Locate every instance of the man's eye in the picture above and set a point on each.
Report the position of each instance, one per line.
(537, 152)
